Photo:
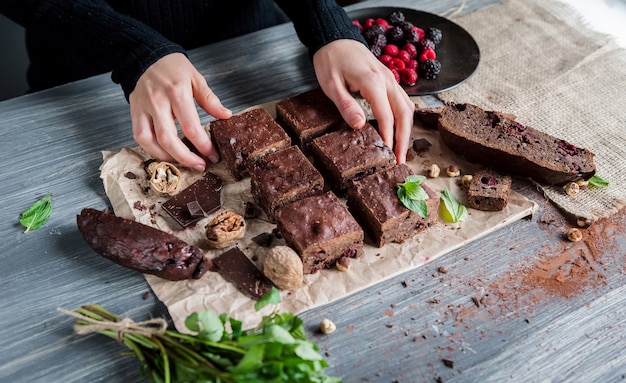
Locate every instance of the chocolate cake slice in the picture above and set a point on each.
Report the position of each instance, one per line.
(308, 115)
(283, 177)
(488, 190)
(496, 140)
(321, 230)
(246, 137)
(374, 201)
(348, 154)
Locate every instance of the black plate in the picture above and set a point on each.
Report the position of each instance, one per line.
(458, 52)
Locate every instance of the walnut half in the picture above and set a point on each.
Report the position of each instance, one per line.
(165, 178)
(225, 229)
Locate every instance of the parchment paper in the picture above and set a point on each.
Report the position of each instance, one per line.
(130, 198)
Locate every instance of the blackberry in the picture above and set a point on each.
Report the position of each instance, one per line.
(376, 50)
(434, 34)
(426, 44)
(406, 26)
(374, 30)
(396, 17)
(395, 34)
(412, 37)
(379, 40)
(429, 69)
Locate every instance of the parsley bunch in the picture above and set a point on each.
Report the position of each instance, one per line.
(219, 350)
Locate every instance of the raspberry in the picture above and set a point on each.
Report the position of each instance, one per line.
(407, 76)
(383, 22)
(396, 75)
(396, 63)
(391, 50)
(403, 55)
(427, 54)
(357, 24)
(411, 64)
(367, 24)
(385, 59)
(410, 49)
(430, 69)
(396, 17)
(420, 32)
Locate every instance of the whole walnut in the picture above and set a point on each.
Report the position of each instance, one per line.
(283, 266)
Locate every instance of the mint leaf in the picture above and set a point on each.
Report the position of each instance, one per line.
(413, 196)
(37, 214)
(207, 324)
(597, 181)
(450, 209)
(271, 298)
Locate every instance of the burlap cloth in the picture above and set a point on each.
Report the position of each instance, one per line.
(540, 62)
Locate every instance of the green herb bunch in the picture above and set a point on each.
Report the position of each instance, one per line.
(219, 350)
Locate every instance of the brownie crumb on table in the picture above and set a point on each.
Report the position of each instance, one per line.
(321, 230)
(373, 200)
(349, 154)
(246, 137)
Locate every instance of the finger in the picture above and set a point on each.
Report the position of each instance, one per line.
(207, 99)
(167, 137)
(381, 109)
(348, 107)
(403, 109)
(143, 133)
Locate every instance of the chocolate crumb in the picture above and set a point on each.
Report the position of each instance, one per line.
(421, 145)
(442, 270)
(251, 210)
(264, 239)
(146, 295)
(138, 206)
(130, 175)
(448, 363)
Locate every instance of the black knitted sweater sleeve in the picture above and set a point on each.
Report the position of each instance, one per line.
(127, 47)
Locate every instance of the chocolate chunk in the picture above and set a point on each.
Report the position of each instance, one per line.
(203, 196)
(236, 266)
(130, 175)
(420, 145)
(264, 239)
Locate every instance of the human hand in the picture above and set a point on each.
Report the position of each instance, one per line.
(345, 66)
(165, 94)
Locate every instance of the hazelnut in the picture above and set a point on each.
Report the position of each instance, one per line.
(453, 171)
(466, 180)
(582, 184)
(434, 171)
(572, 188)
(283, 266)
(343, 264)
(574, 234)
(327, 326)
(583, 222)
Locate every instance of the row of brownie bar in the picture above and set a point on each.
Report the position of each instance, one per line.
(292, 192)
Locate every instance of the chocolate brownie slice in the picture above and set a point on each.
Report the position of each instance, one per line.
(321, 230)
(246, 137)
(349, 154)
(282, 177)
(494, 139)
(488, 190)
(308, 115)
(374, 202)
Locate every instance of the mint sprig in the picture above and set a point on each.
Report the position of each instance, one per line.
(413, 196)
(37, 214)
(450, 209)
(597, 181)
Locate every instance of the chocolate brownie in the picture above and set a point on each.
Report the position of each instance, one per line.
(374, 201)
(282, 177)
(321, 230)
(348, 154)
(246, 137)
(488, 190)
(308, 115)
(494, 139)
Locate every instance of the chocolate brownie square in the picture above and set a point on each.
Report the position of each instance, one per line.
(489, 190)
(282, 177)
(321, 230)
(349, 154)
(374, 202)
(308, 115)
(246, 137)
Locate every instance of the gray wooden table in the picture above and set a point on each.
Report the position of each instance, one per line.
(422, 326)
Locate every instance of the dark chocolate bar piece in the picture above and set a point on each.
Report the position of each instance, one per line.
(236, 266)
(199, 199)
